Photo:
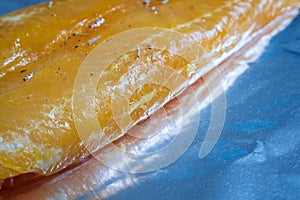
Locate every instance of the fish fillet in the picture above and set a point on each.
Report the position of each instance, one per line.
(43, 46)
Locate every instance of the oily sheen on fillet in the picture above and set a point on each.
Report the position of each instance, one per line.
(43, 46)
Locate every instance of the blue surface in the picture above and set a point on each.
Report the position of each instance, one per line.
(11, 5)
(257, 156)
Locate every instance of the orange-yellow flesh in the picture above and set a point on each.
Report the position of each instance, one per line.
(37, 128)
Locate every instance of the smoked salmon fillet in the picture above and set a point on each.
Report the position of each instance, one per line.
(42, 48)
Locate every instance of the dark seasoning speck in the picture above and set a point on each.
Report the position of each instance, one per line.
(28, 76)
(97, 23)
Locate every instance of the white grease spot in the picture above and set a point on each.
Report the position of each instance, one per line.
(207, 15)
(15, 18)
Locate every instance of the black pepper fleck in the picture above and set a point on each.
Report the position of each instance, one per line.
(24, 70)
(28, 76)
(76, 46)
